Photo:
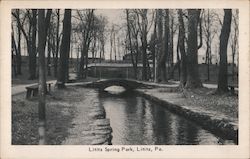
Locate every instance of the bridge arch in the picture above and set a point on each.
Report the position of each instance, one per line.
(126, 83)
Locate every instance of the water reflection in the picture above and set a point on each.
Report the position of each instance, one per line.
(137, 121)
(115, 89)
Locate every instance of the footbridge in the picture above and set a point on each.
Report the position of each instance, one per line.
(126, 83)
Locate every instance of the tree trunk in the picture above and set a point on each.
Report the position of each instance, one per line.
(42, 76)
(19, 56)
(144, 45)
(200, 32)
(114, 45)
(130, 45)
(154, 50)
(18, 46)
(64, 49)
(166, 46)
(225, 32)
(32, 63)
(81, 65)
(33, 51)
(233, 59)
(57, 43)
(178, 58)
(207, 61)
(49, 57)
(111, 46)
(234, 43)
(193, 79)
(171, 44)
(162, 51)
(87, 58)
(103, 49)
(208, 43)
(14, 56)
(85, 45)
(183, 76)
(158, 44)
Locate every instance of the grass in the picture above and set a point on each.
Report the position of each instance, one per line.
(214, 71)
(205, 98)
(59, 114)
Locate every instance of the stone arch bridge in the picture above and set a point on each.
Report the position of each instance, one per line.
(126, 83)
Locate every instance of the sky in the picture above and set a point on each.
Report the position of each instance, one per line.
(113, 15)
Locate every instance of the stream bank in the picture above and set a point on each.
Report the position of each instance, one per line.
(223, 124)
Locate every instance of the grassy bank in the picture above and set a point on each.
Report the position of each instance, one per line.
(59, 114)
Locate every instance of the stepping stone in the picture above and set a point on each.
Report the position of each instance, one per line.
(102, 131)
(101, 122)
(102, 128)
(87, 133)
(101, 139)
(97, 108)
(97, 114)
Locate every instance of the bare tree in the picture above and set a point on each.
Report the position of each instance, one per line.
(167, 44)
(13, 55)
(64, 49)
(171, 40)
(161, 53)
(17, 46)
(209, 32)
(234, 40)
(207, 24)
(153, 48)
(30, 36)
(101, 35)
(143, 23)
(111, 43)
(42, 34)
(181, 42)
(54, 41)
(193, 79)
(87, 21)
(57, 43)
(49, 46)
(132, 33)
(224, 36)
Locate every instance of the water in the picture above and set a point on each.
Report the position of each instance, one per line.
(115, 89)
(137, 121)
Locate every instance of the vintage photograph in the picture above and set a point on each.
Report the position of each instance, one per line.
(143, 76)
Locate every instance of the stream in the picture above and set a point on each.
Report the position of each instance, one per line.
(138, 121)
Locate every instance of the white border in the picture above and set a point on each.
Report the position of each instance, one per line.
(9, 151)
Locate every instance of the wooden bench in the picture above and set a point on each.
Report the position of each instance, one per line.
(33, 90)
(232, 88)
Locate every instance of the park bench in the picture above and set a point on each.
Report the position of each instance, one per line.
(33, 90)
(232, 88)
